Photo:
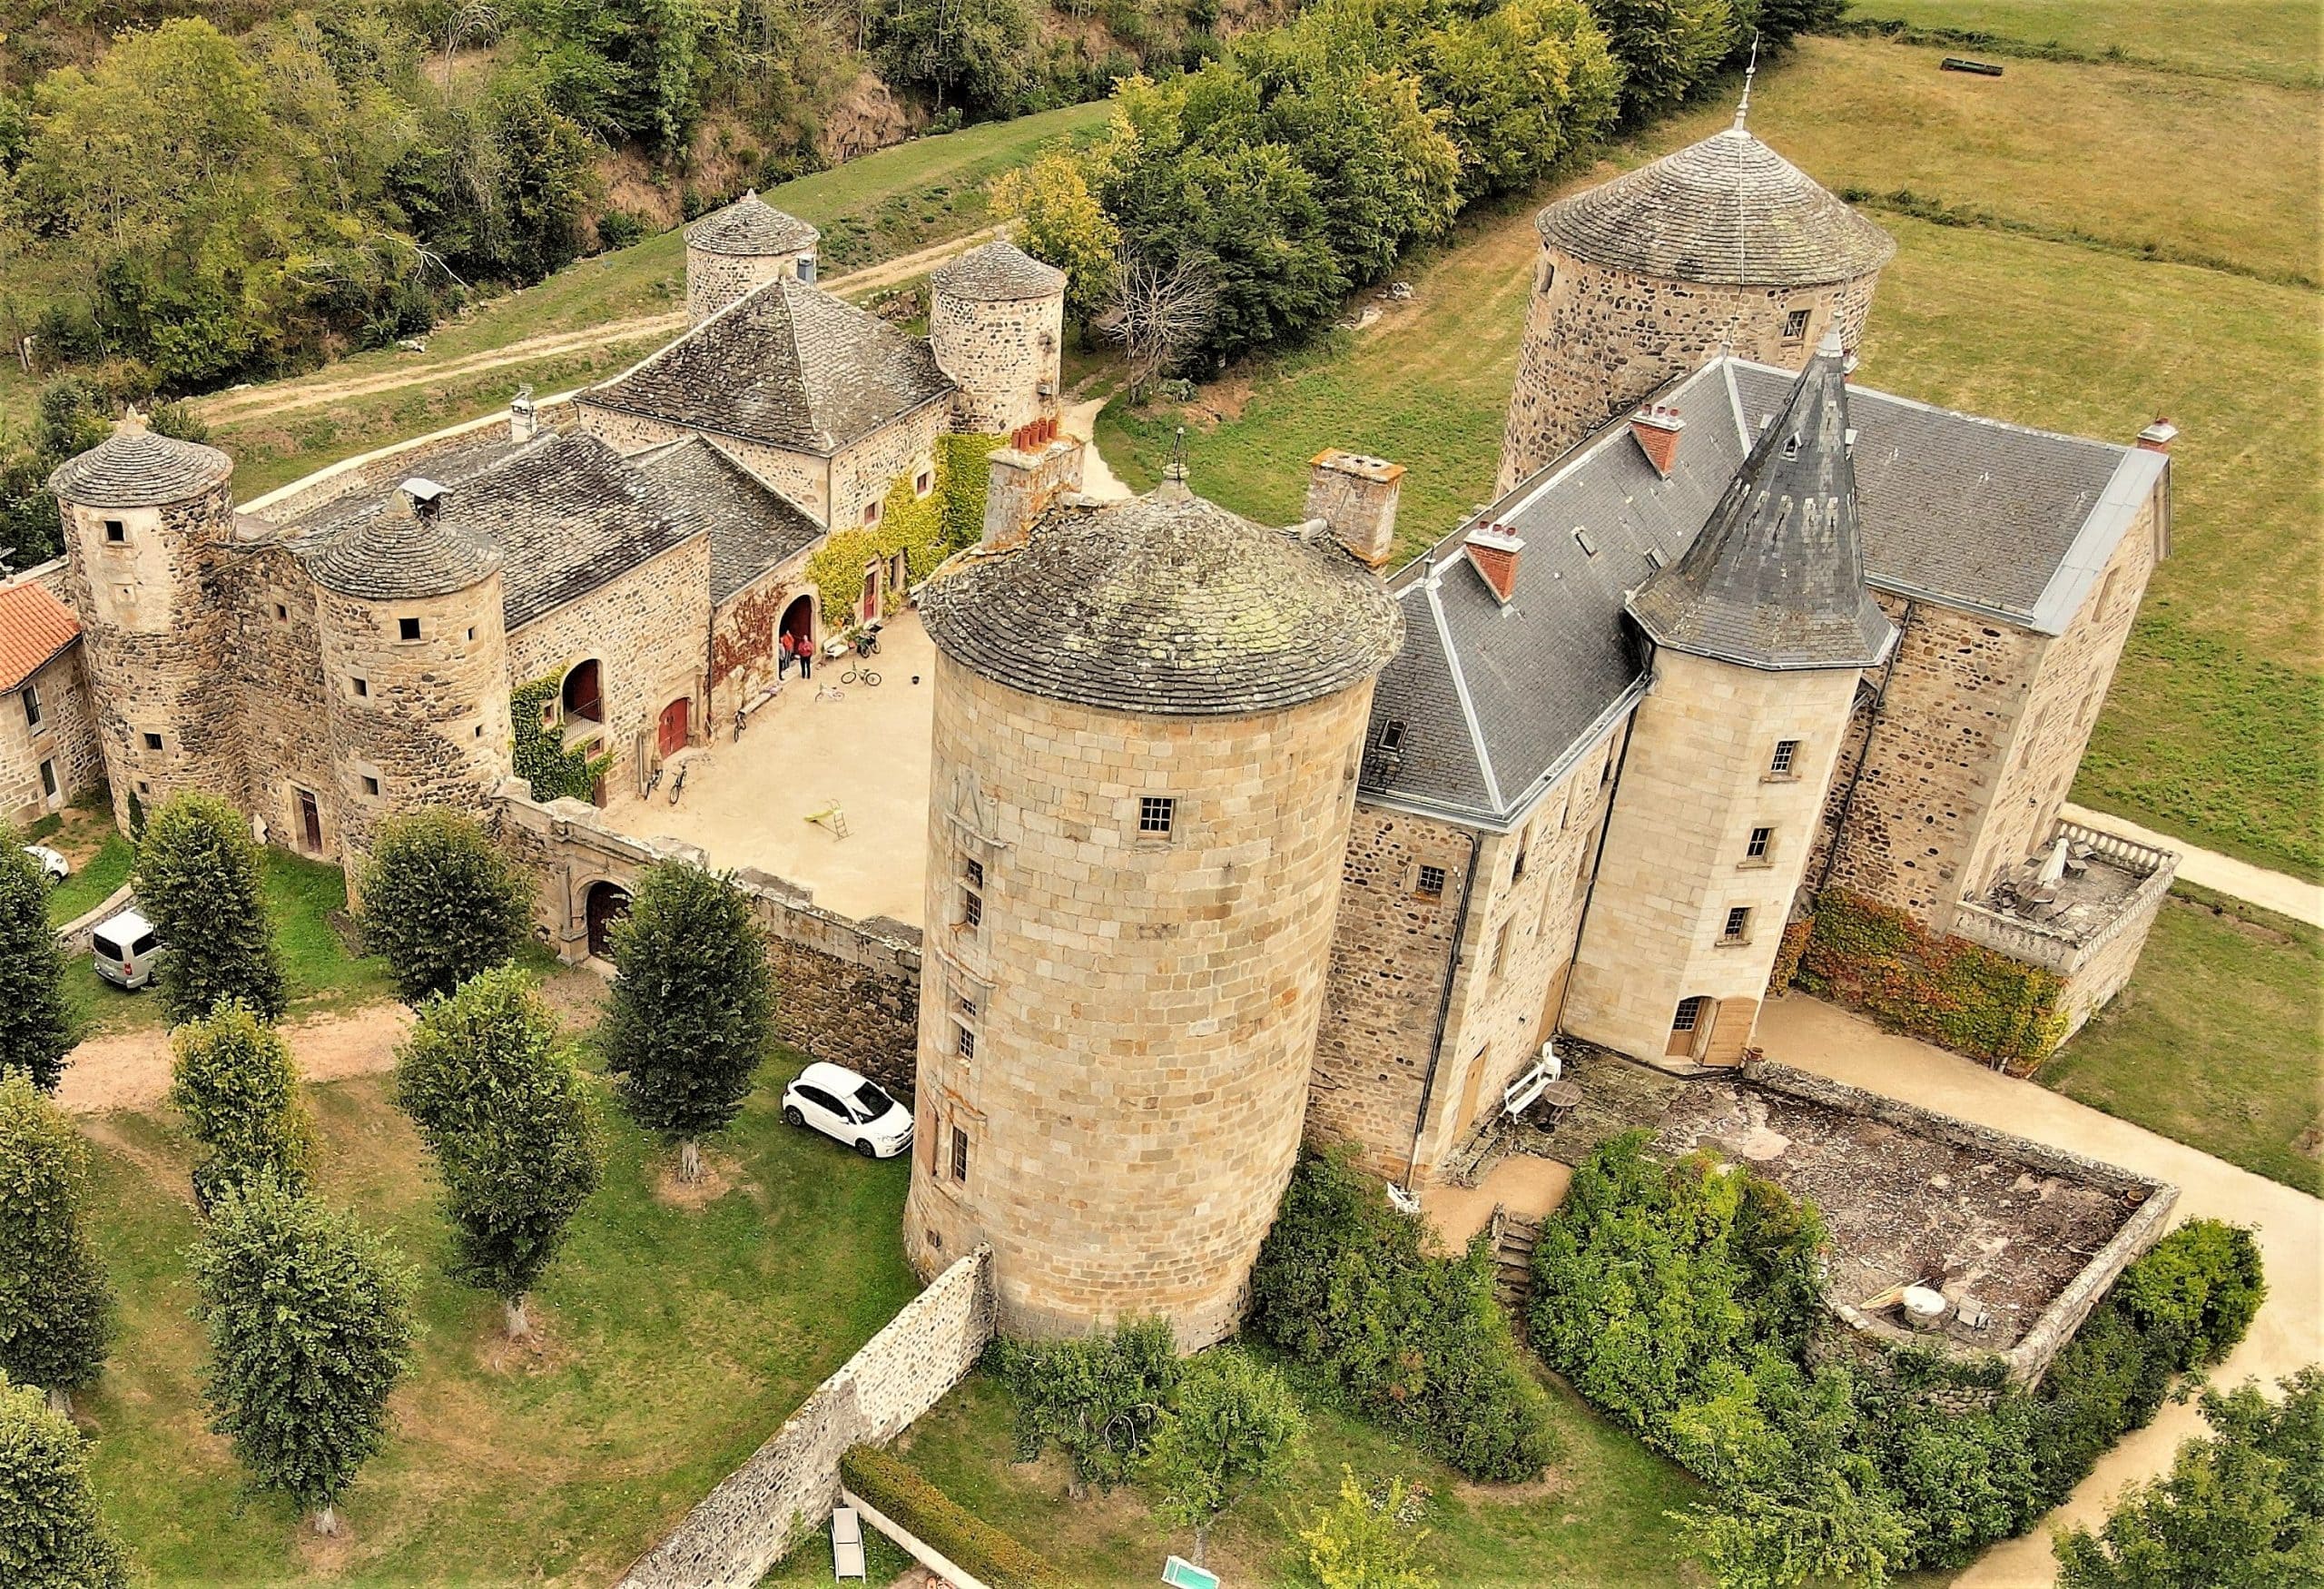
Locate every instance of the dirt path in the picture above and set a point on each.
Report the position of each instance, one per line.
(1097, 476)
(277, 398)
(2289, 1332)
(132, 1069)
(2273, 891)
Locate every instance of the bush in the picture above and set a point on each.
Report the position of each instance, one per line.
(440, 903)
(1413, 1337)
(2195, 1292)
(1978, 1002)
(52, 1533)
(913, 1503)
(1366, 1541)
(199, 881)
(1098, 1400)
(234, 1082)
(35, 1027)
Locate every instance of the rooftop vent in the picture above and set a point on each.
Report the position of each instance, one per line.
(1493, 549)
(1657, 427)
(427, 500)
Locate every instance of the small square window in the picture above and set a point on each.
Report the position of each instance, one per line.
(370, 784)
(362, 687)
(1432, 883)
(479, 731)
(1761, 837)
(971, 908)
(960, 1154)
(153, 741)
(31, 705)
(1156, 813)
(972, 870)
(471, 632)
(116, 531)
(923, 482)
(282, 613)
(872, 513)
(1785, 759)
(407, 628)
(964, 1042)
(1795, 325)
(144, 787)
(1392, 737)
(967, 1006)
(1738, 925)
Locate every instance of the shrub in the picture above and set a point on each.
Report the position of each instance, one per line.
(200, 882)
(52, 1533)
(55, 1307)
(1098, 1400)
(2196, 1289)
(903, 1495)
(1978, 1002)
(234, 1082)
(1235, 1427)
(1366, 1541)
(35, 1029)
(440, 903)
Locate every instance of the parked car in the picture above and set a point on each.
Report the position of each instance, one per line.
(52, 866)
(125, 949)
(849, 1107)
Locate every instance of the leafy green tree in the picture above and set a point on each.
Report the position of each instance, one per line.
(234, 1082)
(975, 51)
(1364, 1541)
(1668, 48)
(440, 902)
(55, 1307)
(693, 1006)
(201, 883)
(52, 1533)
(1236, 1426)
(512, 1124)
(1099, 1399)
(1519, 89)
(36, 1026)
(1065, 226)
(310, 1327)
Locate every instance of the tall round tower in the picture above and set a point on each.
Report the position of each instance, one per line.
(1723, 246)
(995, 317)
(147, 518)
(737, 249)
(1149, 717)
(415, 658)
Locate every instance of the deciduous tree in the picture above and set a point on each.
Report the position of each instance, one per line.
(35, 1027)
(1234, 1427)
(1366, 1541)
(440, 902)
(201, 883)
(1063, 225)
(55, 1307)
(234, 1082)
(52, 1533)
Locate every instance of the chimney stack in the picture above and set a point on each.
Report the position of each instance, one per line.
(1657, 426)
(2159, 436)
(424, 498)
(1493, 549)
(524, 420)
(1356, 496)
(1041, 464)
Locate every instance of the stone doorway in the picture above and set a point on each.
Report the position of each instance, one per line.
(605, 903)
(310, 824)
(798, 623)
(675, 726)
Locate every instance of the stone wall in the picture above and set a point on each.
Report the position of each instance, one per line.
(65, 739)
(1001, 353)
(905, 447)
(743, 634)
(790, 1484)
(713, 279)
(279, 659)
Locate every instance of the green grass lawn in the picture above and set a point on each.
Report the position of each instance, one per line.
(2274, 41)
(1598, 1519)
(2215, 1043)
(93, 880)
(677, 1340)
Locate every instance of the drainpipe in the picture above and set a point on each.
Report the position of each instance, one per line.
(1444, 1015)
(1597, 860)
(1871, 727)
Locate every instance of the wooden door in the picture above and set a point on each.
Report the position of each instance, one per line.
(311, 822)
(675, 726)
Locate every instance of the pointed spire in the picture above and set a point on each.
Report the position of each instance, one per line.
(1743, 107)
(1775, 580)
(132, 423)
(1173, 487)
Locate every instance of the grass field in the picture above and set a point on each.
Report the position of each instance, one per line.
(676, 1341)
(2272, 41)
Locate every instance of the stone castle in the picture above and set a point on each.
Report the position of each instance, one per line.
(1237, 835)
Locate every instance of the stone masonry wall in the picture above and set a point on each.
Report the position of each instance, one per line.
(1001, 353)
(278, 660)
(802, 476)
(66, 739)
(714, 280)
(906, 446)
(743, 634)
(790, 1484)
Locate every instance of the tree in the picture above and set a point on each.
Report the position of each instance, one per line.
(199, 881)
(693, 1006)
(1366, 1541)
(1160, 316)
(1668, 48)
(1063, 225)
(52, 1534)
(975, 50)
(511, 1123)
(440, 903)
(234, 1082)
(1520, 88)
(2243, 1509)
(1234, 1427)
(310, 1327)
(1098, 1400)
(35, 1027)
(55, 1307)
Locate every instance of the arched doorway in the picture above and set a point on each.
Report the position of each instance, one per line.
(583, 695)
(798, 623)
(605, 903)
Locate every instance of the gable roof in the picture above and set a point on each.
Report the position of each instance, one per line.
(752, 526)
(35, 630)
(787, 365)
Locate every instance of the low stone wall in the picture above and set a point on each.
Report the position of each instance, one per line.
(75, 936)
(790, 1484)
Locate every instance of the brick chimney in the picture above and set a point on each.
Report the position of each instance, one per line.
(1356, 496)
(1039, 464)
(1657, 427)
(1493, 549)
(2159, 436)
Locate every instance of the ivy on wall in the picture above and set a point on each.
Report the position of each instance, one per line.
(540, 758)
(926, 530)
(1973, 999)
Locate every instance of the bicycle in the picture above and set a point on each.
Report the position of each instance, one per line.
(678, 783)
(859, 674)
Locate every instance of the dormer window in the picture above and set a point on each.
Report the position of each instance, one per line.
(1392, 737)
(1791, 445)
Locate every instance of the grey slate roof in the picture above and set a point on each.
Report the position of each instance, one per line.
(749, 225)
(997, 272)
(2009, 523)
(1728, 209)
(752, 526)
(138, 467)
(1776, 579)
(787, 365)
(393, 554)
(1165, 604)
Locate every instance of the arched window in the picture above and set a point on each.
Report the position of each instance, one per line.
(583, 696)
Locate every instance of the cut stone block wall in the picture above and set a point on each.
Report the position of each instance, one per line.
(1002, 352)
(279, 658)
(66, 739)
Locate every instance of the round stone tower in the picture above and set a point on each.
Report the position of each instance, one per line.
(1724, 245)
(147, 519)
(415, 658)
(995, 317)
(737, 249)
(1149, 717)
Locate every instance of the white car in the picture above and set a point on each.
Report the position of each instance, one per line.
(850, 1109)
(52, 866)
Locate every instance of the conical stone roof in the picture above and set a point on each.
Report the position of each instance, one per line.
(749, 225)
(998, 273)
(1776, 579)
(1166, 604)
(138, 467)
(390, 552)
(1728, 211)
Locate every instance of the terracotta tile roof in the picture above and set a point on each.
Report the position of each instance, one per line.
(35, 626)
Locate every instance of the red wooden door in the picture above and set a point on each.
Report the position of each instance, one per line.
(674, 726)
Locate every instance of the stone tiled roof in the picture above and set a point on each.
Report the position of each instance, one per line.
(1728, 209)
(749, 225)
(35, 626)
(995, 273)
(1775, 579)
(787, 365)
(752, 526)
(138, 467)
(1165, 604)
(2011, 524)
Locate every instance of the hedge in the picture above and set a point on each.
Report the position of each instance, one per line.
(906, 1497)
(1974, 1001)
(540, 758)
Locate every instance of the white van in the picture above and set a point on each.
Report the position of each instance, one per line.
(125, 949)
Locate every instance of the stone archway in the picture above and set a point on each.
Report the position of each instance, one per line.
(798, 621)
(602, 906)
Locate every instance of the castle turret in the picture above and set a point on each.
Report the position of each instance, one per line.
(1724, 245)
(995, 317)
(1759, 634)
(737, 249)
(147, 518)
(1148, 719)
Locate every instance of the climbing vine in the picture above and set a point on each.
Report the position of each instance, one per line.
(926, 530)
(540, 758)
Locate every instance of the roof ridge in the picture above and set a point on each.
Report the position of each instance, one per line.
(1454, 670)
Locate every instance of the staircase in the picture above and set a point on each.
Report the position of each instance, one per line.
(1513, 1261)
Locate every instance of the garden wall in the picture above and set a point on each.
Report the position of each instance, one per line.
(790, 1484)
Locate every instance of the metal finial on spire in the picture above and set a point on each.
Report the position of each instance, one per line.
(1174, 473)
(1743, 107)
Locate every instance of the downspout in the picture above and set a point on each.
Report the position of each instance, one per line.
(1597, 860)
(1871, 727)
(1443, 1014)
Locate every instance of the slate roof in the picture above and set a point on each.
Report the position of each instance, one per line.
(997, 272)
(1775, 579)
(752, 526)
(2011, 524)
(749, 225)
(138, 467)
(1728, 209)
(35, 630)
(787, 365)
(1165, 604)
